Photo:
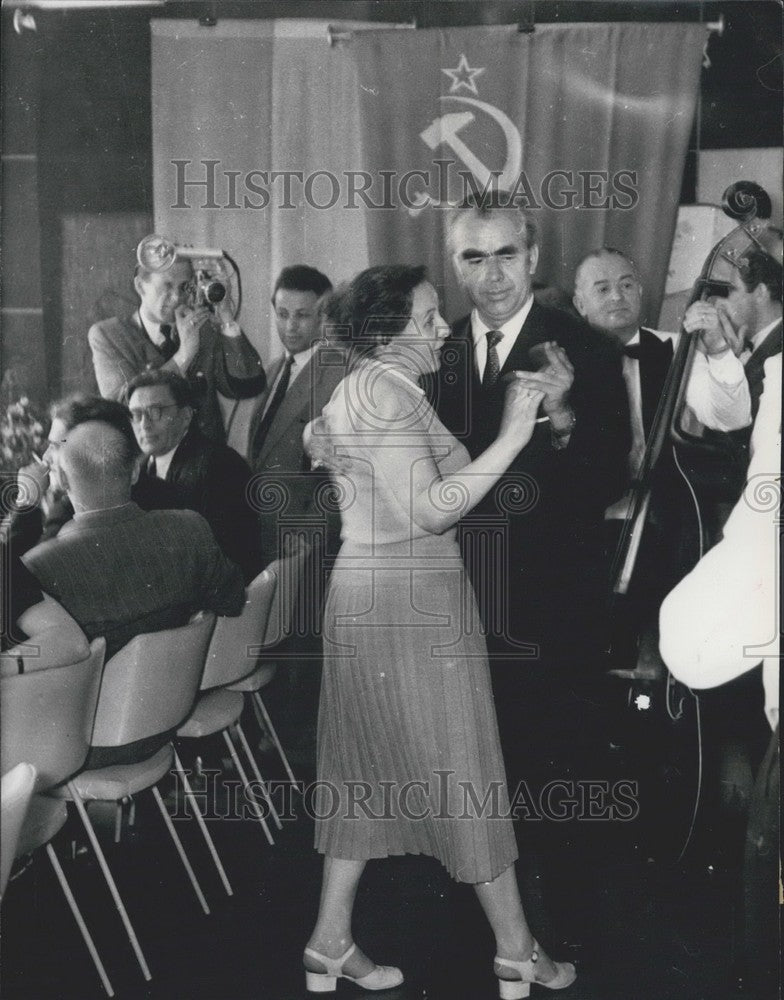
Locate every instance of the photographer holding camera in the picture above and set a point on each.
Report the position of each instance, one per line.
(183, 324)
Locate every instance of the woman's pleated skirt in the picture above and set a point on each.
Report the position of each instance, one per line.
(409, 760)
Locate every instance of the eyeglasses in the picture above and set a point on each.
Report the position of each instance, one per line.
(153, 413)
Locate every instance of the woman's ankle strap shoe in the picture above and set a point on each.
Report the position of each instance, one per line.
(518, 989)
(383, 977)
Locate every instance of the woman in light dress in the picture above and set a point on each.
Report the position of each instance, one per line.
(408, 753)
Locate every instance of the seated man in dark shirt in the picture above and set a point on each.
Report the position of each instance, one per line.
(41, 507)
(198, 474)
(118, 570)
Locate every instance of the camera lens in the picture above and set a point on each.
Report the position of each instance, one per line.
(214, 291)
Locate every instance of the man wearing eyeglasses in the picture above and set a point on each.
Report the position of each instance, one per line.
(535, 543)
(200, 475)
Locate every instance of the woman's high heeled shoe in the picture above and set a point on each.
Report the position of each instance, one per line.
(518, 989)
(383, 977)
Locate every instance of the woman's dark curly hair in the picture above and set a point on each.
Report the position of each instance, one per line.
(375, 307)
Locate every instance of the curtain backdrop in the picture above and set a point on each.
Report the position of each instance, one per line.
(302, 141)
(271, 104)
(262, 99)
(588, 123)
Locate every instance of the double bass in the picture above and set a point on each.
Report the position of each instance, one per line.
(664, 716)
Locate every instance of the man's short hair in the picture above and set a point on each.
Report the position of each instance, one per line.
(485, 204)
(301, 278)
(178, 386)
(606, 252)
(100, 453)
(80, 407)
(758, 268)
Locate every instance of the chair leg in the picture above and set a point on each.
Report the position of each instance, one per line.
(109, 879)
(261, 708)
(180, 849)
(202, 825)
(79, 919)
(255, 767)
(118, 815)
(246, 783)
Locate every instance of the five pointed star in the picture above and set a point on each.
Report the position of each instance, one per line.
(463, 76)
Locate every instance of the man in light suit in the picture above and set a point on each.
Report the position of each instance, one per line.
(300, 385)
(543, 580)
(290, 496)
(209, 349)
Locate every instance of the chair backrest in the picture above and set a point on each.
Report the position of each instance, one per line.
(149, 687)
(16, 789)
(234, 647)
(47, 717)
(288, 593)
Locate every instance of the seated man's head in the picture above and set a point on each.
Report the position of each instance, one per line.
(608, 293)
(97, 466)
(77, 409)
(160, 292)
(295, 300)
(161, 409)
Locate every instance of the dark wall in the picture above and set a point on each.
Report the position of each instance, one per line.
(77, 99)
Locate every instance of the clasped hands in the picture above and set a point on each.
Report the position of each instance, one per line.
(717, 332)
(550, 384)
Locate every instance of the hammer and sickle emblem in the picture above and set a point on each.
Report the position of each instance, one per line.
(445, 130)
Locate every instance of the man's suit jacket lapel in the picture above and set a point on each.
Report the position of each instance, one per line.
(463, 334)
(152, 354)
(182, 455)
(294, 402)
(655, 358)
(531, 332)
(258, 416)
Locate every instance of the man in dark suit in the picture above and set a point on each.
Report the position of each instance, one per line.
(534, 548)
(208, 348)
(300, 385)
(608, 295)
(199, 474)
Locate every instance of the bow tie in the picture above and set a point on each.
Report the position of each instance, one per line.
(633, 351)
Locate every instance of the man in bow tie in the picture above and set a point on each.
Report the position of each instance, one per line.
(534, 546)
(208, 348)
(608, 295)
